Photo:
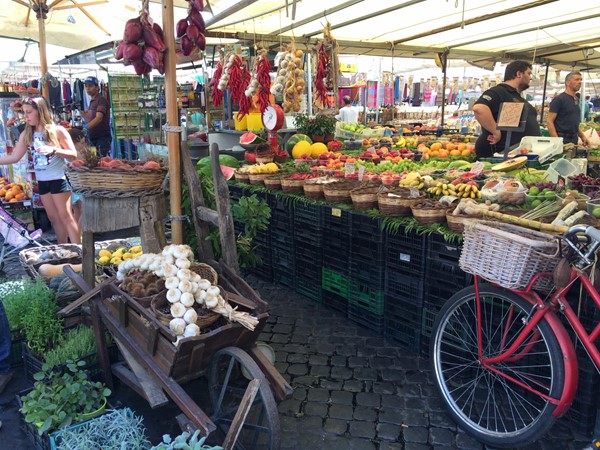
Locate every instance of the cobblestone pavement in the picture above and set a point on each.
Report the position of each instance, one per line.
(352, 390)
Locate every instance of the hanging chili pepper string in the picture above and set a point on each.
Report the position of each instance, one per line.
(216, 93)
(263, 68)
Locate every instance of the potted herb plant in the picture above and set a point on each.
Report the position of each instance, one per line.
(59, 399)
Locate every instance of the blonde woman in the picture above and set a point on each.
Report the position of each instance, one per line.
(50, 146)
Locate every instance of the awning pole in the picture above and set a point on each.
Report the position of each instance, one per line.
(43, 59)
(309, 82)
(544, 93)
(582, 101)
(172, 121)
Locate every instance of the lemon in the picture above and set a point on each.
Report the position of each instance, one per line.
(136, 249)
(536, 203)
(116, 260)
(596, 212)
(104, 253)
(272, 167)
(103, 259)
(127, 256)
(550, 195)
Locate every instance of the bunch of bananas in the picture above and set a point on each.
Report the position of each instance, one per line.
(443, 189)
(467, 191)
(412, 179)
(265, 168)
(401, 142)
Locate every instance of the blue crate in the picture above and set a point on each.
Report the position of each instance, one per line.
(404, 288)
(405, 253)
(366, 319)
(369, 227)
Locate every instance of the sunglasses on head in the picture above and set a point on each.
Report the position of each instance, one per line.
(31, 101)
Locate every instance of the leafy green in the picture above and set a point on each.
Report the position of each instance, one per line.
(19, 297)
(75, 344)
(185, 441)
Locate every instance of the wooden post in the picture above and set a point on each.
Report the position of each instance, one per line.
(43, 59)
(172, 120)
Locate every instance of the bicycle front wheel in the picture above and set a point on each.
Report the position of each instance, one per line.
(491, 407)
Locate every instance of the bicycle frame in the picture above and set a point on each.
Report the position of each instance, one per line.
(542, 309)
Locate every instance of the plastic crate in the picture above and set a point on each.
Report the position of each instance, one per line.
(581, 418)
(39, 442)
(405, 253)
(366, 319)
(366, 297)
(446, 273)
(336, 253)
(404, 288)
(282, 238)
(436, 294)
(236, 192)
(17, 339)
(335, 283)
(282, 260)
(335, 302)
(306, 235)
(309, 288)
(262, 271)
(439, 248)
(336, 220)
(284, 278)
(369, 227)
(403, 324)
(308, 215)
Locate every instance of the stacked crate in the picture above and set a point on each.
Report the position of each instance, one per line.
(282, 241)
(405, 268)
(335, 273)
(308, 255)
(443, 279)
(367, 272)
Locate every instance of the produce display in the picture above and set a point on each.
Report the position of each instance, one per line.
(11, 192)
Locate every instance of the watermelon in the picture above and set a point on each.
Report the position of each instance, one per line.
(250, 138)
(224, 160)
(289, 146)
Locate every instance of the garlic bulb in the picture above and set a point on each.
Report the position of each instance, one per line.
(185, 286)
(178, 310)
(184, 274)
(213, 290)
(195, 278)
(173, 295)
(191, 329)
(200, 295)
(168, 250)
(190, 316)
(183, 263)
(178, 325)
(169, 259)
(160, 272)
(211, 301)
(171, 270)
(181, 251)
(204, 284)
(172, 283)
(194, 287)
(154, 265)
(187, 299)
(120, 276)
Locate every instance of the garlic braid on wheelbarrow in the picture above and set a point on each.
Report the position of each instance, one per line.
(185, 289)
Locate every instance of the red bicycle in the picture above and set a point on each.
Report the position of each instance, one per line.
(504, 363)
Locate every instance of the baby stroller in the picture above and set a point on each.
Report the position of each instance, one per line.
(16, 235)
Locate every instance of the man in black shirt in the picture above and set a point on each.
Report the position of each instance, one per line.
(565, 113)
(516, 79)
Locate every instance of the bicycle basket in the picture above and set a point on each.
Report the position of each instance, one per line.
(509, 255)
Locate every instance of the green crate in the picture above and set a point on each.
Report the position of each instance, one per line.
(365, 297)
(334, 282)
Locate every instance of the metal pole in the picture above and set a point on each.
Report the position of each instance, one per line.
(582, 99)
(544, 93)
(172, 120)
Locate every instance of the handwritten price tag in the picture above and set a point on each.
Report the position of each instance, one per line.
(349, 168)
(361, 172)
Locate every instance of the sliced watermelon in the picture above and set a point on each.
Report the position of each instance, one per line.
(250, 138)
(227, 172)
(289, 145)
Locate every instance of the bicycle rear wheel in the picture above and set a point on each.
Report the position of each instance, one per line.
(488, 406)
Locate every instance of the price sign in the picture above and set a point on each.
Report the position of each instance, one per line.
(349, 168)
(361, 173)
(336, 212)
(477, 168)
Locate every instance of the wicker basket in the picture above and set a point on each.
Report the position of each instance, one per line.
(339, 192)
(241, 177)
(365, 197)
(509, 255)
(206, 272)
(398, 204)
(292, 184)
(313, 190)
(273, 182)
(457, 223)
(264, 158)
(591, 158)
(258, 178)
(30, 262)
(428, 216)
(115, 183)
(160, 305)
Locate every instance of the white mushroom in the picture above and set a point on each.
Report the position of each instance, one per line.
(171, 270)
(191, 329)
(177, 325)
(190, 316)
(213, 290)
(200, 295)
(187, 299)
(178, 310)
(173, 295)
(183, 263)
(185, 286)
(211, 301)
(204, 284)
(172, 283)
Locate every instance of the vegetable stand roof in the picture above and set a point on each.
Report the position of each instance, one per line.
(562, 32)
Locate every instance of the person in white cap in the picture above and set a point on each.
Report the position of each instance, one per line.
(97, 117)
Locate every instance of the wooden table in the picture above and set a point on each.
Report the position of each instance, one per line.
(102, 214)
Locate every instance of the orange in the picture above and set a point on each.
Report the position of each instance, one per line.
(449, 146)
(434, 153)
(436, 146)
(455, 153)
(466, 153)
(443, 154)
(461, 147)
(9, 195)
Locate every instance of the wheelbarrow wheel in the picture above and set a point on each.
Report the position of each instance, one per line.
(230, 372)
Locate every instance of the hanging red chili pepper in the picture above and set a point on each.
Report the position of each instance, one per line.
(263, 67)
(321, 74)
(216, 93)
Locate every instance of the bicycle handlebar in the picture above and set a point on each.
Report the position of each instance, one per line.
(590, 232)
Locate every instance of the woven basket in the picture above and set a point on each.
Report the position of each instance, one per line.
(115, 183)
(593, 158)
(30, 262)
(241, 177)
(457, 223)
(428, 216)
(258, 178)
(397, 205)
(273, 182)
(509, 255)
(364, 197)
(206, 272)
(146, 302)
(313, 190)
(160, 305)
(292, 184)
(264, 158)
(339, 192)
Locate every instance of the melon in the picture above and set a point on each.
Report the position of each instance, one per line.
(510, 164)
(250, 138)
(317, 148)
(301, 148)
(291, 142)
